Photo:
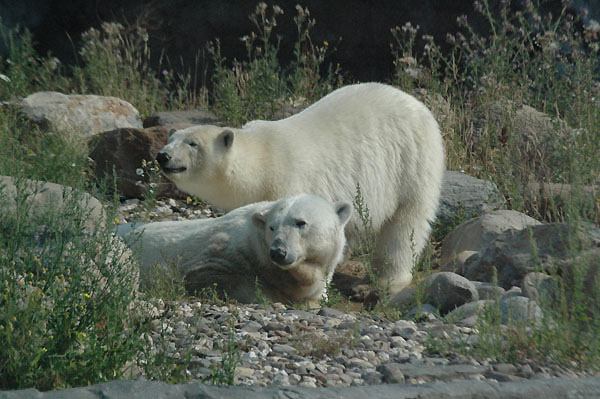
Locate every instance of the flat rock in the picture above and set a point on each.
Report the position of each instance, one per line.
(476, 234)
(468, 195)
(81, 115)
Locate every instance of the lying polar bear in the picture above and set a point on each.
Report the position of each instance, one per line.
(292, 246)
(369, 134)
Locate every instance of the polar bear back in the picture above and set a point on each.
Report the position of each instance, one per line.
(371, 134)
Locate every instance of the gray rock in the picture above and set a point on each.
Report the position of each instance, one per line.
(554, 388)
(476, 234)
(404, 298)
(538, 248)
(329, 312)
(423, 312)
(46, 196)
(469, 311)
(190, 117)
(448, 290)
(82, 115)
(537, 286)
(529, 128)
(488, 290)
(519, 309)
(463, 193)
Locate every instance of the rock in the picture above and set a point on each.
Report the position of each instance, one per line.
(329, 312)
(124, 150)
(425, 312)
(476, 234)
(537, 286)
(470, 311)
(404, 298)
(488, 290)
(534, 133)
(179, 118)
(513, 255)
(81, 115)
(519, 309)
(45, 196)
(462, 193)
(448, 290)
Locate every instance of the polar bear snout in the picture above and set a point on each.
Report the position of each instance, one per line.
(279, 254)
(164, 158)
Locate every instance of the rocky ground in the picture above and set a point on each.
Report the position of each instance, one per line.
(275, 345)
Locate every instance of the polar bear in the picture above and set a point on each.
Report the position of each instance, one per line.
(369, 134)
(291, 246)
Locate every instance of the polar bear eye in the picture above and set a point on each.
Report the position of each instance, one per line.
(193, 144)
(300, 223)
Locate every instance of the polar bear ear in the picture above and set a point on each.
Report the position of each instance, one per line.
(258, 219)
(344, 211)
(226, 137)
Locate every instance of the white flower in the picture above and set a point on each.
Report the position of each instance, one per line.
(139, 172)
(4, 77)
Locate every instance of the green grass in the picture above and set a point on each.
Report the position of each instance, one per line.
(61, 330)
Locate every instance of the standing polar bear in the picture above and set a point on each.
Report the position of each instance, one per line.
(291, 246)
(369, 134)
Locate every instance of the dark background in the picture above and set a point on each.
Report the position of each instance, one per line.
(183, 27)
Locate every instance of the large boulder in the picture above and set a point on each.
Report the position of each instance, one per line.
(79, 115)
(476, 234)
(535, 133)
(467, 194)
(543, 248)
(45, 197)
(124, 151)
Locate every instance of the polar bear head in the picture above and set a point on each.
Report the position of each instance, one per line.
(305, 230)
(195, 155)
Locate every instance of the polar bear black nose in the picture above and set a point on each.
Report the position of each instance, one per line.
(278, 255)
(163, 158)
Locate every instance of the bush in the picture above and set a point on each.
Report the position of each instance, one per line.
(65, 293)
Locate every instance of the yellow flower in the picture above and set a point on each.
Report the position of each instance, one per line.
(117, 220)
(86, 295)
(325, 43)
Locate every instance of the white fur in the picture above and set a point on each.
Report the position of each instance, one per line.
(371, 134)
(234, 250)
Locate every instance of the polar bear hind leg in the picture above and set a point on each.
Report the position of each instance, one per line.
(397, 248)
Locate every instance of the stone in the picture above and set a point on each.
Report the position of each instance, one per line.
(535, 133)
(46, 196)
(404, 298)
(178, 118)
(488, 290)
(467, 195)
(447, 291)
(329, 312)
(512, 254)
(519, 309)
(425, 312)
(475, 234)
(469, 310)
(124, 151)
(79, 115)
(537, 286)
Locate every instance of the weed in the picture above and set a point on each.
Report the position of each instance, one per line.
(65, 294)
(224, 373)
